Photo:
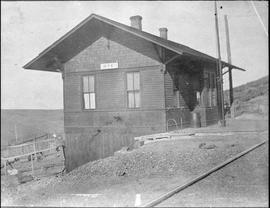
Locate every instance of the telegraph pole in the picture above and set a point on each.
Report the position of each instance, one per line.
(219, 80)
(229, 57)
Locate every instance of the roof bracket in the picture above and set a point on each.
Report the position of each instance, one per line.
(159, 53)
(58, 64)
(171, 59)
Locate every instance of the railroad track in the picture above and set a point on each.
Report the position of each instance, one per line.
(170, 135)
(191, 182)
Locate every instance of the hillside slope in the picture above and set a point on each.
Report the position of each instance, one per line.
(251, 98)
(27, 124)
(249, 90)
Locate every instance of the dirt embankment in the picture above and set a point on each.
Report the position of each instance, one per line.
(150, 170)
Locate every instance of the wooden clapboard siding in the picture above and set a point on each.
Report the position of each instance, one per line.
(106, 50)
(94, 134)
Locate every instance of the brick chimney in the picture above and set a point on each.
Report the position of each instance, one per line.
(136, 22)
(163, 32)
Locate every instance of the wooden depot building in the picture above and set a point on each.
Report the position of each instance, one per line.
(120, 82)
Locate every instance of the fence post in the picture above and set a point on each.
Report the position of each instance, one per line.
(35, 148)
(50, 147)
(8, 151)
(102, 146)
(5, 167)
(32, 165)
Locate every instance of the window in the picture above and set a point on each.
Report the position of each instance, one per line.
(208, 80)
(176, 98)
(133, 90)
(213, 88)
(212, 81)
(198, 97)
(89, 95)
(211, 85)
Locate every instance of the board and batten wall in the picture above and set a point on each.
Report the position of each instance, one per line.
(98, 133)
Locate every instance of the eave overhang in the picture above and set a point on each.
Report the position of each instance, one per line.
(89, 30)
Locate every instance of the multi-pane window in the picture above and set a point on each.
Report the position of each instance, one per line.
(89, 95)
(133, 89)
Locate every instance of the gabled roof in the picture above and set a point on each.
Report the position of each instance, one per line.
(60, 48)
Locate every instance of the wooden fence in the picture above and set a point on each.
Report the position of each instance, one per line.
(28, 149)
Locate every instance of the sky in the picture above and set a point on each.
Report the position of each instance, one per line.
(27, 28)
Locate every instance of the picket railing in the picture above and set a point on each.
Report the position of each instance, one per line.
(28, 149)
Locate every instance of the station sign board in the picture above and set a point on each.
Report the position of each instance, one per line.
(109, 66)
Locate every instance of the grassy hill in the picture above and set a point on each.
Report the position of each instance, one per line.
(27, 124)
(251, 98)
(249, 90)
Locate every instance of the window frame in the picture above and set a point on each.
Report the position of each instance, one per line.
(133, 91)
(211, 89)
(89, 93)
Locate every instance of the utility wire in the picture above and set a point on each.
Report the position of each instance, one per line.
(239, 16)
(259, 17)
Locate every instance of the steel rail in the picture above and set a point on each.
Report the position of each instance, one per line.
(200, 177)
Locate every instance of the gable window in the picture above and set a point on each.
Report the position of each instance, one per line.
(133, 90)
(89, 95)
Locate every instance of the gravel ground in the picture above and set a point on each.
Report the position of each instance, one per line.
(150, 171)
(243, 183)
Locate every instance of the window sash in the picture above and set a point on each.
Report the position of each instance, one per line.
(89, 100)
(88, 84)
(137, 99)
(213, 81)
(131, 99)
(136, 81)
(134, 98)
(130, 81)
(89, 95)
(198, 97)
(210, 97)
(133, 90)
(211, 89)
(214, 97)
(209, 80)
(86, 100)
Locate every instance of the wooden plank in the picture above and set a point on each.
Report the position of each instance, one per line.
(25, 144)
(30, 153)
(35, 149)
